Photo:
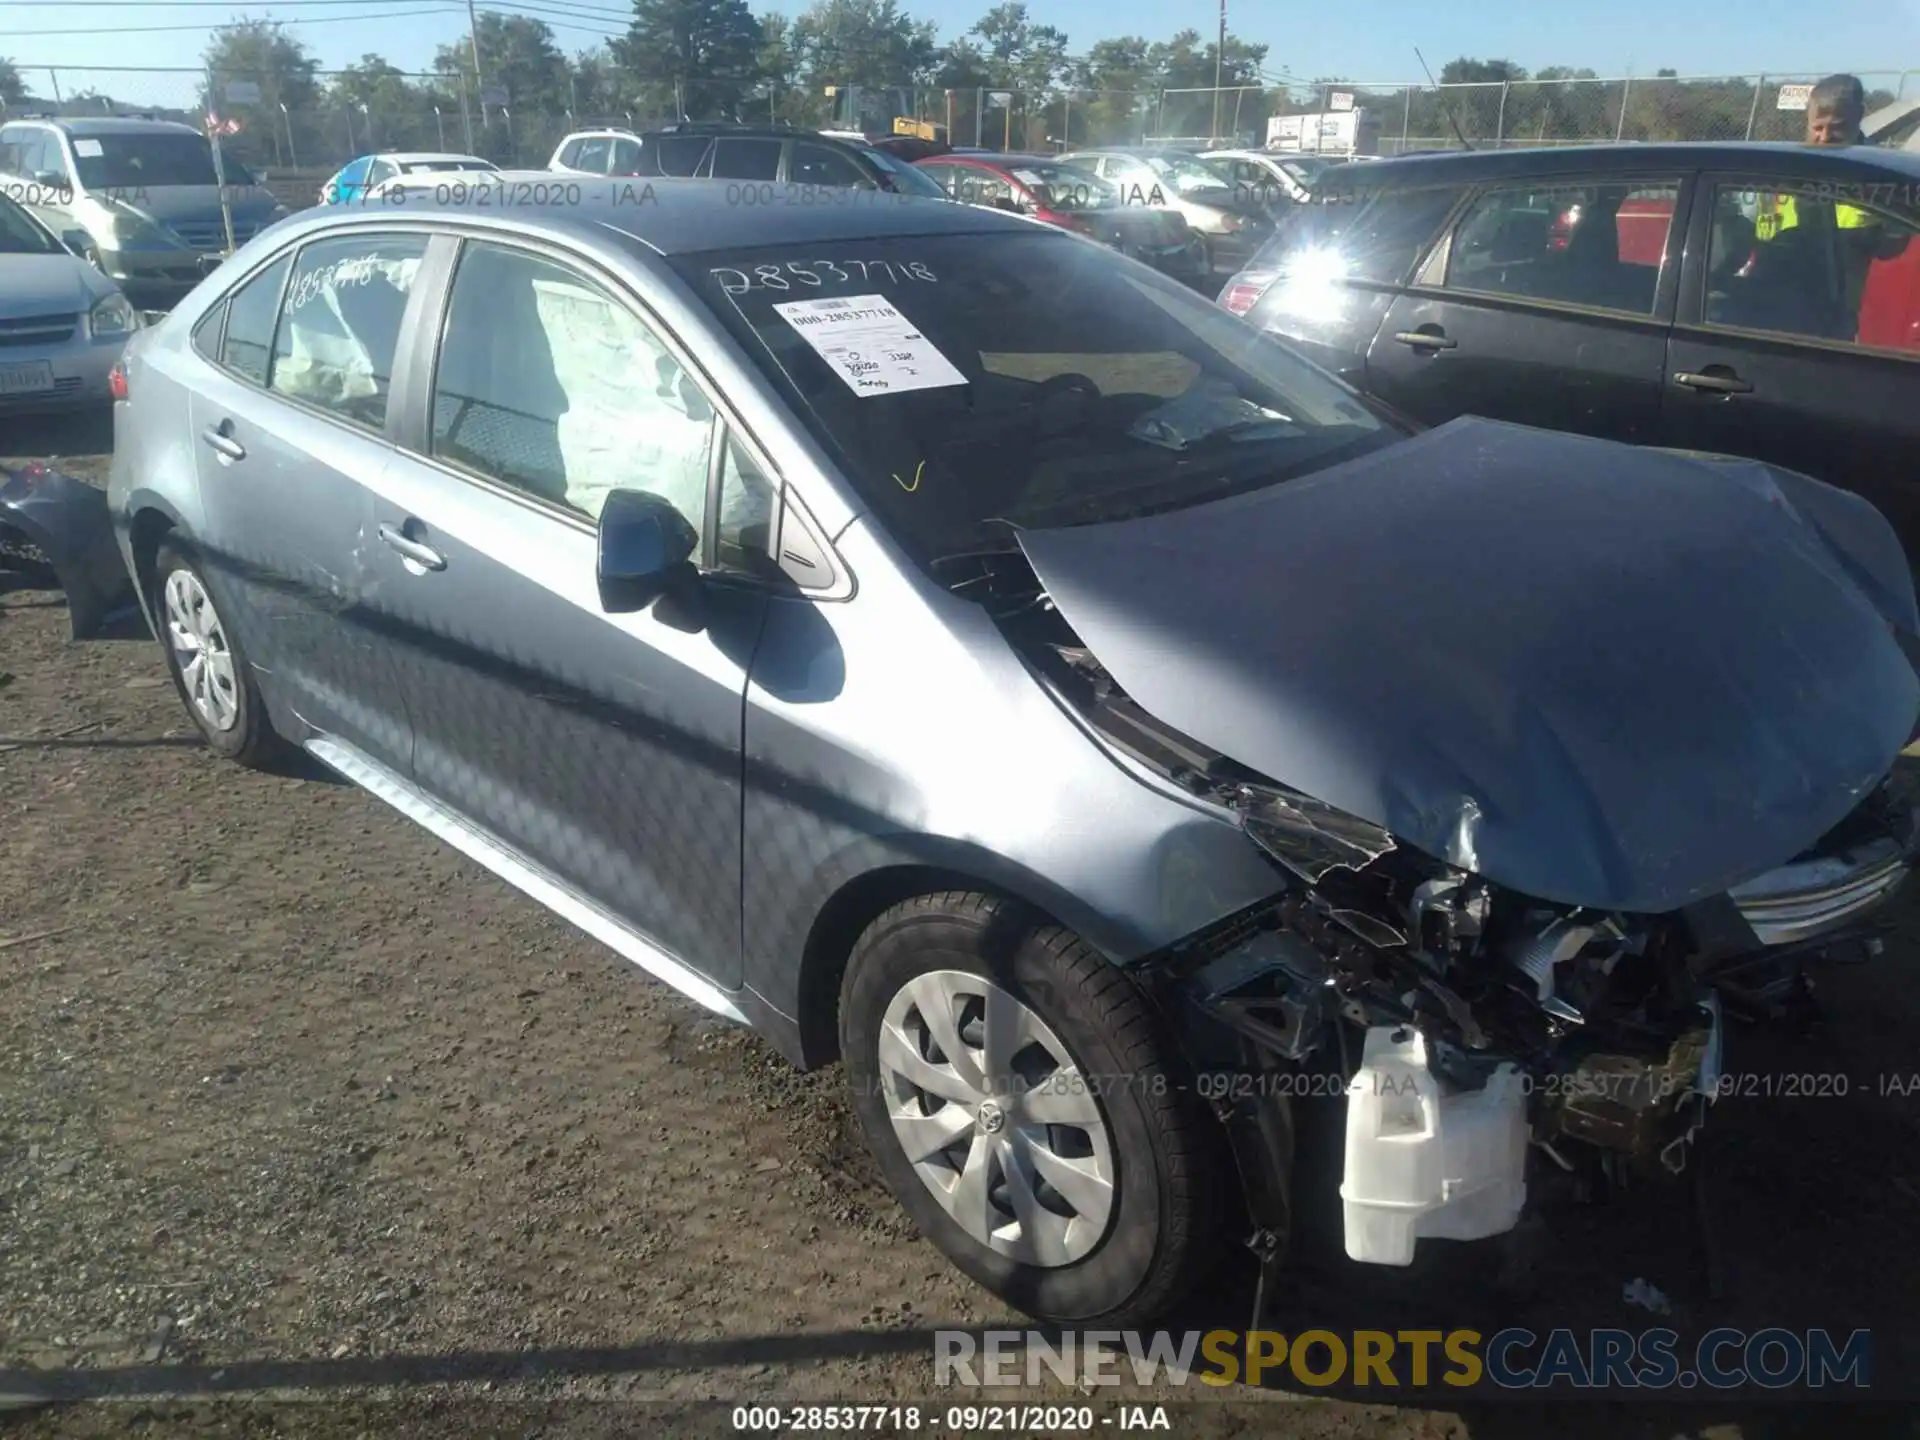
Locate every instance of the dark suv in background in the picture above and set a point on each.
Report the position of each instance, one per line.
(1752, 300)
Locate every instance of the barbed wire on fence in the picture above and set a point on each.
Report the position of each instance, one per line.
(306, 127)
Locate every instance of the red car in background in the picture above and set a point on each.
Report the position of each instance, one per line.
(1077, 200)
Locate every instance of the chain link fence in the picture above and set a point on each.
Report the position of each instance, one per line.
(294, 133)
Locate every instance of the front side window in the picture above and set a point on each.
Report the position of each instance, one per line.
(1369, 235)
(747, 507)
(593, 154)
(1808, 264)
(974, 186)
(21, 234)
(970, 384)
(818, 165)
(340, 323)
(43, 157)
(548, 384)
(143, 160)
(247, 349)
(570, 154)
(1598, 246)
(1060, 187)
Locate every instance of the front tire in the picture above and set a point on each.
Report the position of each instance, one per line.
(208, 665)
(1014, 1093)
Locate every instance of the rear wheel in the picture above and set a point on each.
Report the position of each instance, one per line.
(208, 666)
(1014, 1093)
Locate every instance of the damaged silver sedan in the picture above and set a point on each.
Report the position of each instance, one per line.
(963, 653)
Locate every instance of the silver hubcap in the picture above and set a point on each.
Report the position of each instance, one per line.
(996, 1118)
(200, 647)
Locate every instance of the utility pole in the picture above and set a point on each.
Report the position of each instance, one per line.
(1219, 70)
(479, 80)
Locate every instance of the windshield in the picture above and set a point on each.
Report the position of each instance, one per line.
(906, 179)
(435, 167)
(134, 162)
(974, 383)
(21, 234)
(1061, 187)
(1188, 172)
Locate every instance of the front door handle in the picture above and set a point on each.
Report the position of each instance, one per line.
(1717, 381)
(1434, 339)
(219, 438)
(418, 551)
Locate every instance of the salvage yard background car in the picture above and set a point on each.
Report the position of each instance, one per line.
(1233, 224)
(967, 654)
(1076, 200)
(145, 191)
(1633, 292)
(62, 322)
(371, 175)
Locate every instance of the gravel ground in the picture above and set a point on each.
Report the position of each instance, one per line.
(316, 1126)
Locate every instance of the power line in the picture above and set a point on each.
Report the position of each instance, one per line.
(560, 6)
(156, 29)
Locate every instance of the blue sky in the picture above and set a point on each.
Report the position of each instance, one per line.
(1365, 41)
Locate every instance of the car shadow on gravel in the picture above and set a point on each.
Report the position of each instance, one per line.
(85, 435)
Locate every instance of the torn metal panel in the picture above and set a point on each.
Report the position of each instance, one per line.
(1622, 685)
(66, 521)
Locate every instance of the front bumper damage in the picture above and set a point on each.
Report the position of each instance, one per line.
(1449, 1086)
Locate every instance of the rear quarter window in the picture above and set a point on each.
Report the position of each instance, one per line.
(1374, 235)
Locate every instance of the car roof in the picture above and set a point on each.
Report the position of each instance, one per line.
(688, 217)
(1444, 166)
(116, 125)
(414, 157)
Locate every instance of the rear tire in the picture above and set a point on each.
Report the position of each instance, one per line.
(208, 665)
(1055, 1158)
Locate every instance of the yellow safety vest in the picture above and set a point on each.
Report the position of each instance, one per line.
(1778, 212)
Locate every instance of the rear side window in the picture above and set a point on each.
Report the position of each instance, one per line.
(736, 159)
(340, 324)
(1364, 235)
(251, 311)
(626, 157)
(1598, 246)
(570, 154)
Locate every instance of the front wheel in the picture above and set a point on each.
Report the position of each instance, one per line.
(1015, 1096)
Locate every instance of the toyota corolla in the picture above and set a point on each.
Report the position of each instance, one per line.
(961, 652)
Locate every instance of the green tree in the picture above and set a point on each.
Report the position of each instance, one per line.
(285, 123)
(703, 53)
(1118, 82)
(389, 110)
(519, 56)
(12, 88)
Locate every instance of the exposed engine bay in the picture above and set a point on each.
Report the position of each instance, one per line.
(1473, 1024)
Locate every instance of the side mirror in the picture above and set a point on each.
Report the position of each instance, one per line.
(81, 244)
(49, 177)
(646, 549)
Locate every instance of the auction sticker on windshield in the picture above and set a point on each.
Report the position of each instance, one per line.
(876, 349)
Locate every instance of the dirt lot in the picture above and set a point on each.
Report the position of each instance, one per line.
(309, 1125)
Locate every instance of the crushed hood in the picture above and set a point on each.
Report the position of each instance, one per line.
(1598, 675)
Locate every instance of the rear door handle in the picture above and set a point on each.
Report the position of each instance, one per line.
(221, 441)
(418, 551)
(1719, 384)
(1426, 340)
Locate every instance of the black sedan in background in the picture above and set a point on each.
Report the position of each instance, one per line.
(1752, 300)
(1074, 199)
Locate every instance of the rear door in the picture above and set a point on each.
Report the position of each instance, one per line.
(1803, 349)
(811, 164)
(1547, 303)
(289, 424)
(745, 157)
